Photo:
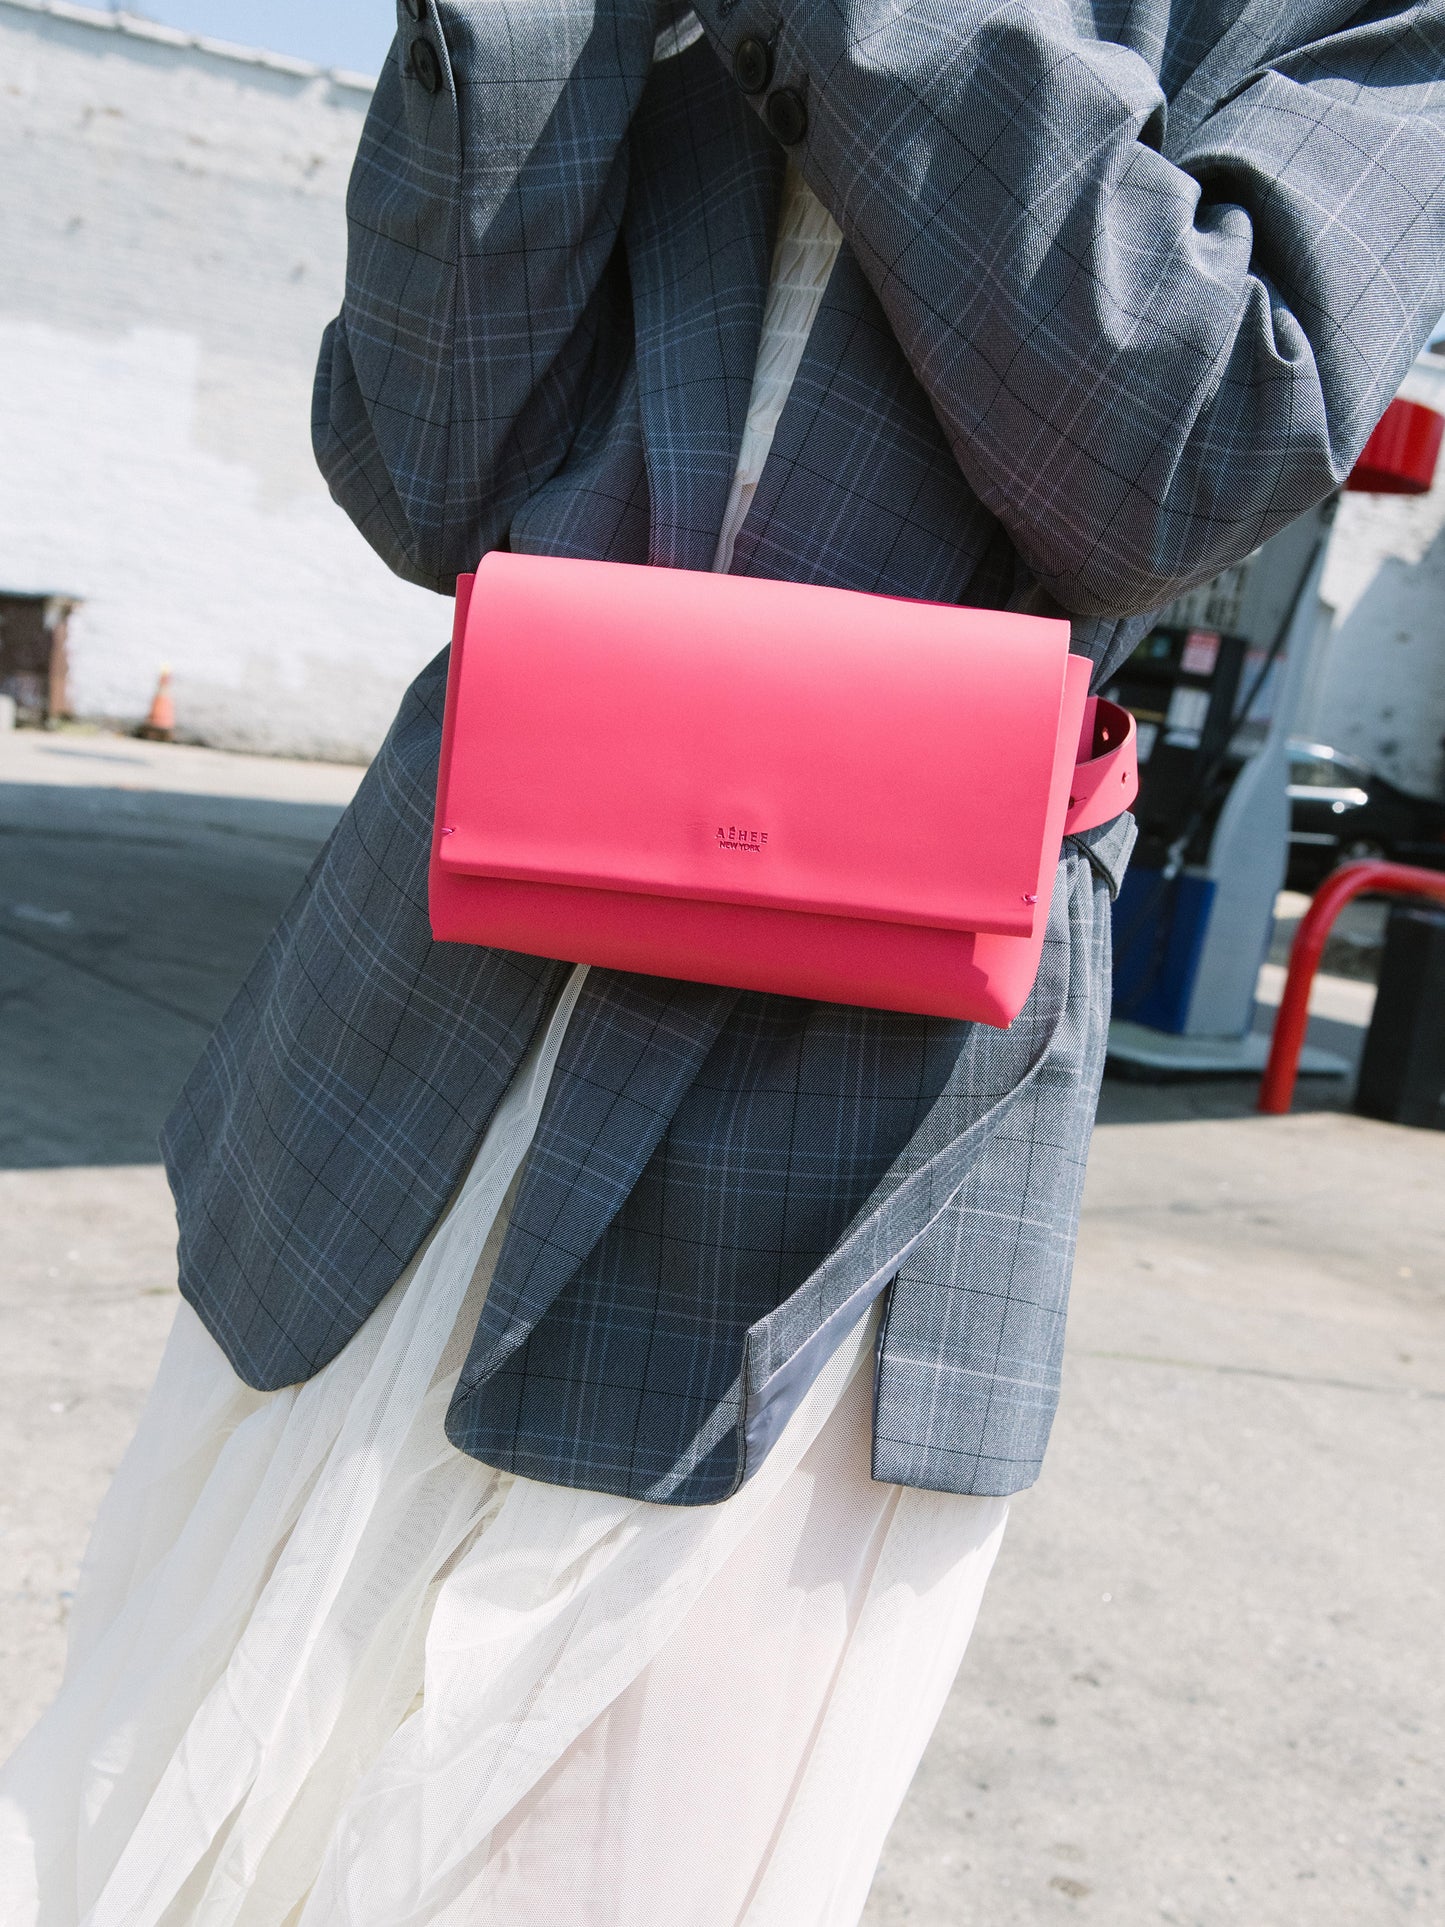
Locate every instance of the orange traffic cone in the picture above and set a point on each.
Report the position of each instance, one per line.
(159, 725)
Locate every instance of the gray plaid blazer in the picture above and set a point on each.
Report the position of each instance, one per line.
(1124, 287)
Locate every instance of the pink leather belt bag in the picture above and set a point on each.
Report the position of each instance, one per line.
(805, 790)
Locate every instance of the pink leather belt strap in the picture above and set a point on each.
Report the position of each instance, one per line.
(1106, 771)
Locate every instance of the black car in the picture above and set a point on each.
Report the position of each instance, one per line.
(1341, 811)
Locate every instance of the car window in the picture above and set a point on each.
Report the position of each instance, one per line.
(1309, 770)
(1312, 772)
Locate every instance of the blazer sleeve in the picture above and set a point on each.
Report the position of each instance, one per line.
(1148, 353)
(483, 210)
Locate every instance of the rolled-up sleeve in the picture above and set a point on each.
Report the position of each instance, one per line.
(1148, 354)
(483, 211)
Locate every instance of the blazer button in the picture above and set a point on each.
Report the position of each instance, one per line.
(786, 116)
(752, 65)
(426, 69)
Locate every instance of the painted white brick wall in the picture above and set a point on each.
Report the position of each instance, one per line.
(172, 234)
(171, 246)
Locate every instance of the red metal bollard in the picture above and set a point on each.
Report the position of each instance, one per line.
(1276, 1087)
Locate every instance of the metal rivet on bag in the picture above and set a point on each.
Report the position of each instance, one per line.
(1028, 898)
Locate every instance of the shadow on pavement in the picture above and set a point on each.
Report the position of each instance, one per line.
(130, 915)
(1127, 1099)
(127, 921)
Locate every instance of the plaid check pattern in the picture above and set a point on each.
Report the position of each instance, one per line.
(1122, 292)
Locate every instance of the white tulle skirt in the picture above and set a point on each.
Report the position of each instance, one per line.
(325, 1669)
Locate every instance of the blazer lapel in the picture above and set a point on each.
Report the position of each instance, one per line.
(632, 1050)
(702, 206)
(802, 527)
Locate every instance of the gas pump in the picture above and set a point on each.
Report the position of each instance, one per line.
(1214, 687)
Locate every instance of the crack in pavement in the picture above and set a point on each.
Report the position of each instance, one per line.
(207, 1024)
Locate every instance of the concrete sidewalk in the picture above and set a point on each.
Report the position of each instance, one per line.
(1206, 1684)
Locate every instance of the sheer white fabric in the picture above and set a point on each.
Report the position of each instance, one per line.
(326, 1671)
(803, 256)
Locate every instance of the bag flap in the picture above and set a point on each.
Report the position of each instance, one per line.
(662, 731)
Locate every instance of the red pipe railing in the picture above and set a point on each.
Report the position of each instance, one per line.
(1351, 880)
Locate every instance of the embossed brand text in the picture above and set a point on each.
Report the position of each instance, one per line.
(747, 842)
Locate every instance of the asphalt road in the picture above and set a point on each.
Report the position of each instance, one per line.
(135, 888)
(1205, 1687)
